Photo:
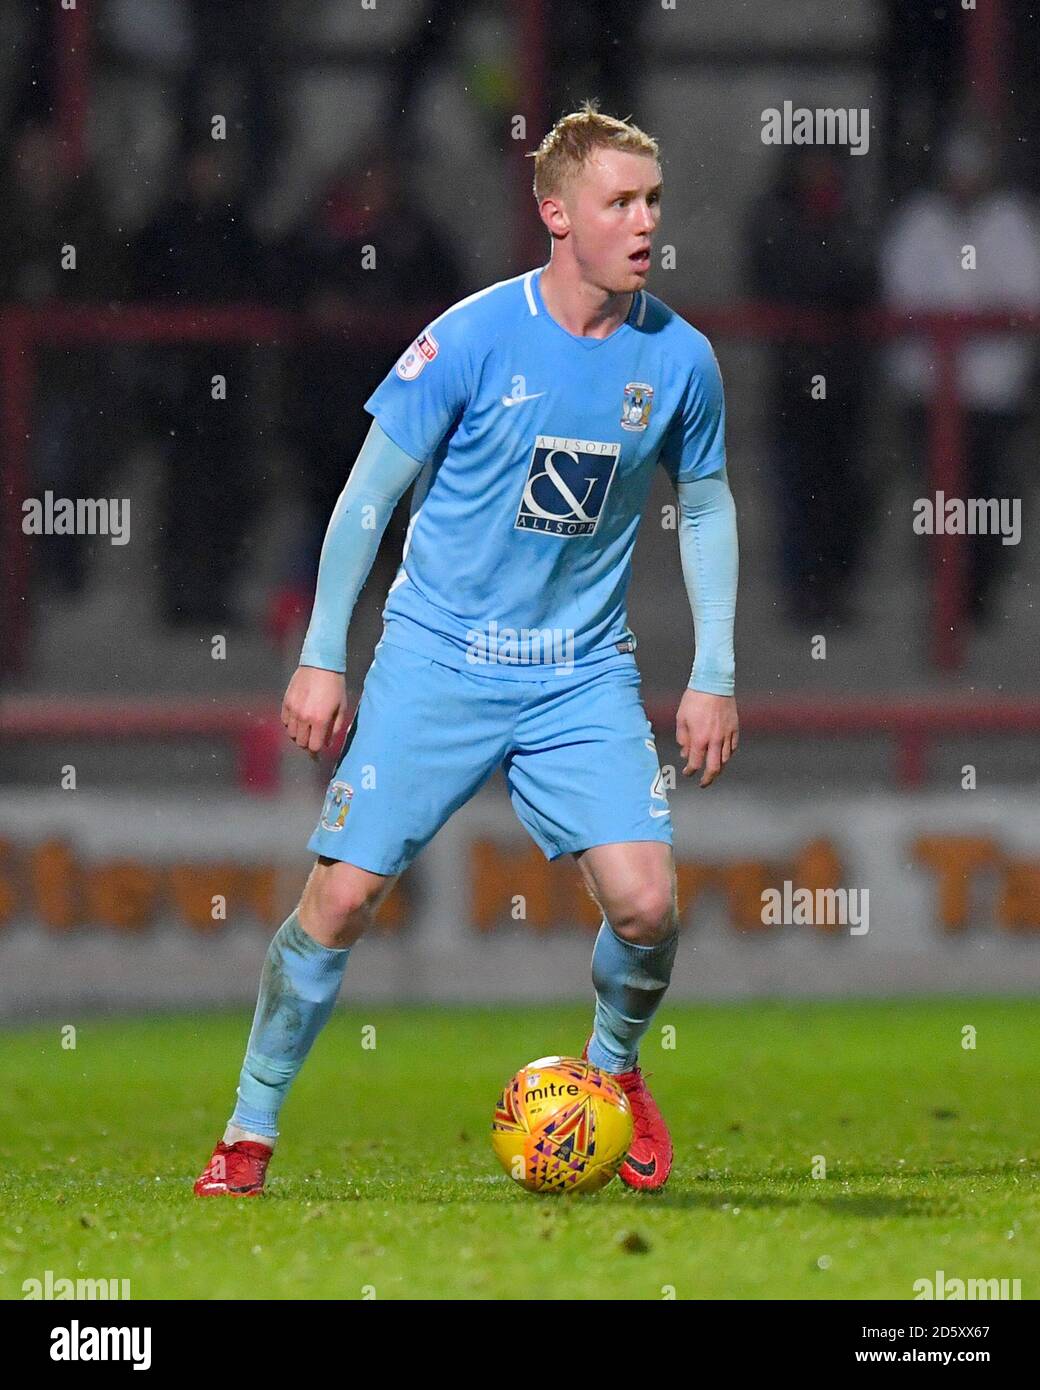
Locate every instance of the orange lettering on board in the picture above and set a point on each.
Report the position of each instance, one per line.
(744, 883)
(193, 888)
(122, 894)
(955, 859)
(1018, 905)
(257, 894)
(815, 866)
(54, 881)
(498, 875)
(692, 880)
(391, 914)
(572, 896)
(8, 892)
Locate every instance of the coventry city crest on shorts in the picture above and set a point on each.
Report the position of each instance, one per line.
(337, 804)
(635, 408)
(567, 484)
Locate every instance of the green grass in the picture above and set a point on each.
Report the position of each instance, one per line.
(385, 1177)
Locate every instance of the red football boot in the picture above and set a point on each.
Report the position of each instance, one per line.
(235, 1170)
(649, 1159)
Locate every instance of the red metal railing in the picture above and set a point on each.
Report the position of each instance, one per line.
(247, 721)
(986, 35)
(253, 724)
(913, 723)
(73, 32)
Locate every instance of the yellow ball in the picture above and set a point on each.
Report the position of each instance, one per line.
(562, 1125)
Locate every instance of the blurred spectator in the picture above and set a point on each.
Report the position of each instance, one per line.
(35, 79)
(232, 66)
(923, 270)
(434, 29)
(207, 60)
(1020, 120)
(808, 250)
(595, 51)
(199, 249)
(321, 269)
(43, 210)
(922, 61)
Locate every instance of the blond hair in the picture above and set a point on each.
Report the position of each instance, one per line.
(563, 152)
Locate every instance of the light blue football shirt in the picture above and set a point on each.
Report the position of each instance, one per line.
(539, 450)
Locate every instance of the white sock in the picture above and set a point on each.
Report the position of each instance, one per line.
(233, 1134)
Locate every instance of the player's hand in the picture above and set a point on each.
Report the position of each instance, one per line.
(707, 731)
(314, 708)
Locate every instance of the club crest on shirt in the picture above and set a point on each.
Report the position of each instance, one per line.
(337, 804)
(566, 485)
(635, 406)
(411, 362)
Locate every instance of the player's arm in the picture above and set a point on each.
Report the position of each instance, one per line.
(313, 710)
(694, 456)
(707, 729)
(414, 406)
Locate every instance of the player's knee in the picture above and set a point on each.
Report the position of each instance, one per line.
(647, 914)
(339, 900)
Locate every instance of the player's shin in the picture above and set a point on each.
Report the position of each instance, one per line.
(298, 989)
(630, 983)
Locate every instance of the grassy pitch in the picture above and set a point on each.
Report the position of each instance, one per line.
(385, 1186)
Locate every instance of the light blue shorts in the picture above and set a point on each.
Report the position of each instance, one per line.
(577, 752)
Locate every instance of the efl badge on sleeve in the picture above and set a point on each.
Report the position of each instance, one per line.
(423, 350)
(635, 409)
(337, 804)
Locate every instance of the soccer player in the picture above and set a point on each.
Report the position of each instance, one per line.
(533, 414)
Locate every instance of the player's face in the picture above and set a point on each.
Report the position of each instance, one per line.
(614, 208)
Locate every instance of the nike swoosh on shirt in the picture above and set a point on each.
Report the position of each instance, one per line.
(655, 813)
(519, 400)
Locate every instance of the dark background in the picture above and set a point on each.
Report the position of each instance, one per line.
(396, 130)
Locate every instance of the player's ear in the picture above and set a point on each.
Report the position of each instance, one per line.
(554, 215)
